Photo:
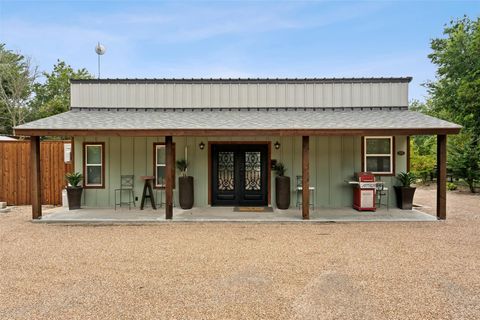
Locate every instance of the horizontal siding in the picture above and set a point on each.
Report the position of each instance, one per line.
(332, 161)
(238, 95)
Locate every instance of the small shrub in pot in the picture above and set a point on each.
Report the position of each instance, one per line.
(282, 187)
(405, 192)
(74, 190)
(185, 186)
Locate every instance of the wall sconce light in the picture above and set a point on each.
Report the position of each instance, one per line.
(277, 145)
(201, 145)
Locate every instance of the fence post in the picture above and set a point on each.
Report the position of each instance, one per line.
(36, 196)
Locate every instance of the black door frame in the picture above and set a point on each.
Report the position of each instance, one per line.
(240, 146)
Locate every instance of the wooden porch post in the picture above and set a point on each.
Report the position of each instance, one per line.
(305, 177)
(36, 187)
(441, 176)
(408, 154)
(169, 167)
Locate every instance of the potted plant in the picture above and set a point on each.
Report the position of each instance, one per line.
(405, 191)
(185, 186)
(282, 187)
(74, 190)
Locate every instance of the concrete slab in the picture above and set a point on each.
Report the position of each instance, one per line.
(225, 214)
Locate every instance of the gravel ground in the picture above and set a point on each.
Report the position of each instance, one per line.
(410, 270)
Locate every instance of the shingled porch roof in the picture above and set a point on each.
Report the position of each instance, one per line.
(240, 122)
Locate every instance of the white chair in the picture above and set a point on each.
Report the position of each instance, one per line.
(299, 189)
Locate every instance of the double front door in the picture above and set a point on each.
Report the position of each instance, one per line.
(239, 174)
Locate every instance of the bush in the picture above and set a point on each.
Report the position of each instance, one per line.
(74, 178)
(451, 186)
(182, 165)
(280, 169)
(423, 166)
(464, 155)
(406, 178)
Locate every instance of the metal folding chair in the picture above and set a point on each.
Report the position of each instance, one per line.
(126, 186)
(160, 195)
(382, 192)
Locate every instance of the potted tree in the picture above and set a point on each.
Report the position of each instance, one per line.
(74, 190)
(282, 187)
(405, 191)
(185, 186)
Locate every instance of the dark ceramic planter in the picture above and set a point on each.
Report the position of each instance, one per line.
(74, 195)
(185, 192)
(404, 197)
(282, 192)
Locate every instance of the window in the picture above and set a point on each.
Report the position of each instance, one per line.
(94, 164)
(378, 155)
(159, 164)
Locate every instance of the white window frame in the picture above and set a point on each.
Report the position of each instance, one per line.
(159, 146)
(93, 165)
(391, 154)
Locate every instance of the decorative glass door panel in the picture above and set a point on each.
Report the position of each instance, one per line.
(253, 173)
(226, 166)
(239, 174)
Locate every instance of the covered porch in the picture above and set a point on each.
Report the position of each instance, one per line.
(306, 131)
(228, 214)
(318, 211)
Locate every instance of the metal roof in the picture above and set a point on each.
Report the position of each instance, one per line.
(204, 121)
(5, 138)
(245, 80)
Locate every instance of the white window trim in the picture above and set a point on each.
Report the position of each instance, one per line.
(93, 165)
(391, 155)
(159, 146)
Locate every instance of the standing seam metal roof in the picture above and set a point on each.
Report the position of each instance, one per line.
(244, 80)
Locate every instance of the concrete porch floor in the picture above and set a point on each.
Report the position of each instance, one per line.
(226, 214)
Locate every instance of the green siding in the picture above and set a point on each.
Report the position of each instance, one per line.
(332, 161)
(115, 149)
(322, 163)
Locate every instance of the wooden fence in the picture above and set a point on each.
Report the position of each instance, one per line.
(15, 180)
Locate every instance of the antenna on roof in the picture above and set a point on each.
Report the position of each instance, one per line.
(100, 50)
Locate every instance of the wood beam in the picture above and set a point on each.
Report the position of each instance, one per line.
(408, 154)
(36, 194)
(169, 177)
(441, 177)
(305, 177)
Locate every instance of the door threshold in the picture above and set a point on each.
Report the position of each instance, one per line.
(253, 209)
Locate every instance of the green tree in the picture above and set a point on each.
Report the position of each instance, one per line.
(17, 77)
(422, 156)
(464, 160)
(455, 95)
(53, 96)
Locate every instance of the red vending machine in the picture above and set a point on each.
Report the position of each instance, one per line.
(364, 190)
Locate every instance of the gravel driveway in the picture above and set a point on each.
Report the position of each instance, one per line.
(409, 270)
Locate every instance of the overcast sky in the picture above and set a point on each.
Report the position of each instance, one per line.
(234, 38)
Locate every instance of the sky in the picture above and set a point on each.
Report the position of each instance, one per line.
(231, 39)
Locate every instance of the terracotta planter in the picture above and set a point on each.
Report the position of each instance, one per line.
(282, 192)
(404, 197)
(74, 195)
(185, 192)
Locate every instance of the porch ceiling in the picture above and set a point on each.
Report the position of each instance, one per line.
(217, 122)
